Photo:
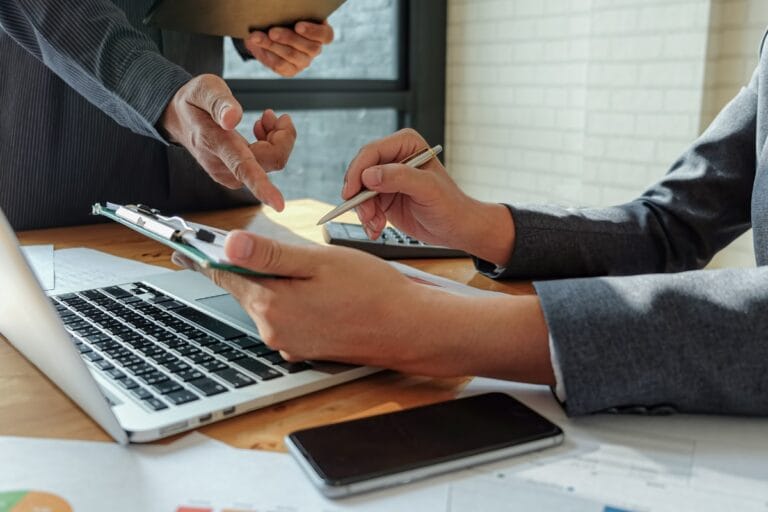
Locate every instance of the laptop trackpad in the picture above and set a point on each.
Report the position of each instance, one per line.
(226, 306)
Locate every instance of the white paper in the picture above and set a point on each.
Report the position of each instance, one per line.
(40, 258)
(263, 226)
(192, 472)
(658, 463)
(81, 269)
(443, 283)
(607, 463)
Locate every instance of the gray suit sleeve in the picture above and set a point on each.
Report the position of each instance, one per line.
(92, 46)
(690, 341)
(680, 223)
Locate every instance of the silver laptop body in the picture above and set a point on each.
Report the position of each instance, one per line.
(33, 323)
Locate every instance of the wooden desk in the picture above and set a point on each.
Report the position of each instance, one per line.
(30, 405)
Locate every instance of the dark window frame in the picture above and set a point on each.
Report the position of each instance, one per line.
(417, 94)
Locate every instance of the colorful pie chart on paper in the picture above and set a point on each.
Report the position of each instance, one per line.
(32, 501)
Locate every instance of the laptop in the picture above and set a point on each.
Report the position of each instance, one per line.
(151, 358)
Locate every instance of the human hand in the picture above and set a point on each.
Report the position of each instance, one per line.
(425, 203)
(339, 304)
(335, 304)
(289, 52)
(275, 137)
(202, 117)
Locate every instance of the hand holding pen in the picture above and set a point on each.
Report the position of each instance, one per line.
(425, 203)
(416, 160)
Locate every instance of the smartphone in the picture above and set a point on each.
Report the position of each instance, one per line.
(395, 448)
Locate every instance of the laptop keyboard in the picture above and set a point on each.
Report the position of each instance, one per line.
(162, 352)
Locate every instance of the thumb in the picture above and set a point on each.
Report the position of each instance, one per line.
(269, 256)
(211, 93)
(398, 178)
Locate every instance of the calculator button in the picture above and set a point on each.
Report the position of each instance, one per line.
(356, 232)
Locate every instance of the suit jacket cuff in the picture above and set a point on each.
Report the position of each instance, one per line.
(538, 250)
(604, 359)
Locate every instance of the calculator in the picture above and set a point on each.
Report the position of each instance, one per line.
(393, 244)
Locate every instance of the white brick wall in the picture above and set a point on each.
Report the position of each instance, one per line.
(643, 55)
(586, 102)
(516, 97)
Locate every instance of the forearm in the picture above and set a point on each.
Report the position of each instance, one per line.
(487, 231)
(503, 337)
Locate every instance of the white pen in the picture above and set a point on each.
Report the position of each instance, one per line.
(416, 160)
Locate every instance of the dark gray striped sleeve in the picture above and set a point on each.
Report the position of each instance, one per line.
(92, 46)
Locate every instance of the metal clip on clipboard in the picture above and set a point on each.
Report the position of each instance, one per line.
(204, 245)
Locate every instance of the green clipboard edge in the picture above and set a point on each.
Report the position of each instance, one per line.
(187, 250)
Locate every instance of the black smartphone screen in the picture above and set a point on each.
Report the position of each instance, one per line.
(357, 450)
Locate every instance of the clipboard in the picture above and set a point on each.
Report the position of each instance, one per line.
(202, 244)
(236, 18)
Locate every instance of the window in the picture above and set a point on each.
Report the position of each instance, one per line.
(365, 46)
(327, 142)
(385, 70)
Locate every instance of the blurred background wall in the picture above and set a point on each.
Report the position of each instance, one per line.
(586, 102)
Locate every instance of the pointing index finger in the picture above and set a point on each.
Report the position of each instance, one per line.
(234, 152)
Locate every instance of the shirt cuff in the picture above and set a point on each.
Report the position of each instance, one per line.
(559, 383)
(244, 52)
(492, 270)
(488, 269)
